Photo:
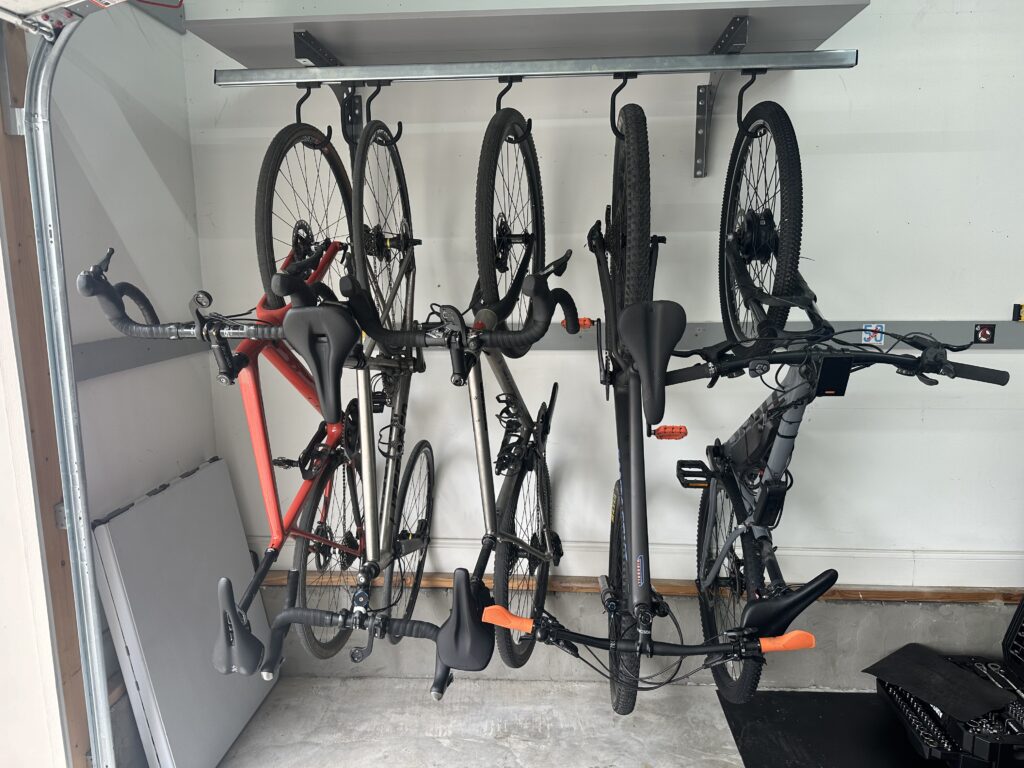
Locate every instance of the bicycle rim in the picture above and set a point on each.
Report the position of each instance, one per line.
(722, 603)
(303, 197)
(327, 574)
(762, 213)
(413, 513)
(624, 666)
(382, 232)
(521, 580)
(509, 209)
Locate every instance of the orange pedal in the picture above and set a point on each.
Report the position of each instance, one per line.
(669, 432)
(797, 640)
(585, 322)
(502, 617)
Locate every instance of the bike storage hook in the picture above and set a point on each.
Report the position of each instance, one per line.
(308, 88)
(625, 77)
(739, 99)
(369, 115)
(509, 81)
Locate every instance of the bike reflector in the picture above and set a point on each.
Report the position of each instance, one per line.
(797, 640)
(670, 432)
(502, 617)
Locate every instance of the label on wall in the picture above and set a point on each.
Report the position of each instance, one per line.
(874, 333)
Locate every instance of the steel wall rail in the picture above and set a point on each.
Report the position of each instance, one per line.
(489, 70)
(42, 183)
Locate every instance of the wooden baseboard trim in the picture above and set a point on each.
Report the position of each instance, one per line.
(686, 588)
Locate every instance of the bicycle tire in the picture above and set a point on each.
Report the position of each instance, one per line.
(767, 131)
(402, 605)
(512, 581)
(382, 241)
(274, 211)
(736, 680)
(630, 224)
(507, 140)
(622, 629)
(325, 642)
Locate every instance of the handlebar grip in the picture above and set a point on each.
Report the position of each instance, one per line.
(365, 312)
(694, 372)
(412, 628)
(572, 318)
(979, 373)
(141, 300)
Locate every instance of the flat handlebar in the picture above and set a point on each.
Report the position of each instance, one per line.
(910, 364)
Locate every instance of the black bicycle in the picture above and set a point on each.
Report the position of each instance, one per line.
(744, 615)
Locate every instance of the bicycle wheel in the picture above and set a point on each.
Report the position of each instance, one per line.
(303, 197)
(509, 209)
(411, 518)
(622, 629)
(382, 237)
(630, 224)
(327, 574)
(521, 580)
(762, 212)
(721, 605)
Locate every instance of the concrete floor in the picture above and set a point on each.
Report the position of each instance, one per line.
(310, 722)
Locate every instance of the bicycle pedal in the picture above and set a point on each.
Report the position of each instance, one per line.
(670, 432)
(585, 323)
(693, 474)
(556, 547)
(284, 463)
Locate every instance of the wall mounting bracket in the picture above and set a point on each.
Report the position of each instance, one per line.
(732, 41)
(310, 52)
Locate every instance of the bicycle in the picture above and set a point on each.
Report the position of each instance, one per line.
(749, 470)
(333, 520)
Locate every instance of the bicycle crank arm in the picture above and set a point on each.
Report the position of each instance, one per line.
(508, 538)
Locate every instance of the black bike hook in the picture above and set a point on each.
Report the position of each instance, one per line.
(739, 98)
(369, 115)
(509, 81)
(625, 77)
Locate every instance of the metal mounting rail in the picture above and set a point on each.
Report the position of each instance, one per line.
(489, 70)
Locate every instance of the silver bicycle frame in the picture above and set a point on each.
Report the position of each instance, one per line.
(378, 532)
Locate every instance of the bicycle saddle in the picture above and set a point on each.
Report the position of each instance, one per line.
(464, 641)
(650, 331)
(324, 336)
(773, 615)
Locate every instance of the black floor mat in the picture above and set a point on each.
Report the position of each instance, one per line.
(797, 729)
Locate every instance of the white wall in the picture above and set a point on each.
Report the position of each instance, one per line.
(124, 173)
(910, 176)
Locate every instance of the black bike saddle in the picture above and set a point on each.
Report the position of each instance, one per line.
(650, 330)
(772, 616)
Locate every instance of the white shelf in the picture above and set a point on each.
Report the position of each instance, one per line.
(258, 33)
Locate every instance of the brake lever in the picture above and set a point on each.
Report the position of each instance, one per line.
(558, 266)
(595, 240)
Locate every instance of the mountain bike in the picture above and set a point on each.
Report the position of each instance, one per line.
(743, 618)
(302, 212)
